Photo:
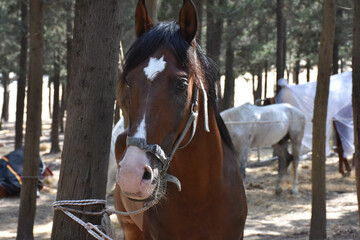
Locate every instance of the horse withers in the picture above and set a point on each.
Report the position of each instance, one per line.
(175, 135)
(273, 125)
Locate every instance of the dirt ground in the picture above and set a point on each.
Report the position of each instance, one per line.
(270, 217)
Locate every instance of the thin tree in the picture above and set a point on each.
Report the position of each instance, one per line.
(151, 6)
(280, 49)
(228, 100)
(356, 93)
(22, 75)
(65, 84)
(214, 31)
(33, 125)
(95, 53)
(5, 107)
(318, 212)
(56, 106)
(199, 6)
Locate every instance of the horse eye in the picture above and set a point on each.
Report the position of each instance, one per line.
(182, 84)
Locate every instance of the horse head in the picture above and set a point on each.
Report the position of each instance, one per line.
(163, 78)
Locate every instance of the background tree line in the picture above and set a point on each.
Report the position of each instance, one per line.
(239, 35)
(242, 36)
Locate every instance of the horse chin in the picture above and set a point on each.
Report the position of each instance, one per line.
(156, 195)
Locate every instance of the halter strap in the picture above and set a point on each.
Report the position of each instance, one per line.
(157, 151)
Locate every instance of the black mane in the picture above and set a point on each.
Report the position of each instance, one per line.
(168, 34)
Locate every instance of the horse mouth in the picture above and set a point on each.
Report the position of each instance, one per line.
(156, 195)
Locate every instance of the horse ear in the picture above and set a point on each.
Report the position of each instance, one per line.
(143, 21)
(188, 20)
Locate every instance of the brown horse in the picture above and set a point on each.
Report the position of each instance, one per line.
(175, 134)
(340, 151)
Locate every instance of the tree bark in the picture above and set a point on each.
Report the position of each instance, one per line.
(33, 125)
(62, 107)
(297, 68)
(50, 94)
(199, 6)
(280, 44)
(228, 100)
(65, 85)
(22, 75)
(318, 213)
(55, 148)
(214, 36)
(5, 107)
(266, 77)
(308, 68)
(356, 94)
(151, 7)
(90, 108)
(335, 65)
(258, 91)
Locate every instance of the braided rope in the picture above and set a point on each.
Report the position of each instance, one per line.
(92, 229)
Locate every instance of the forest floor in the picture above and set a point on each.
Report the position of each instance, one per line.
(269, 216)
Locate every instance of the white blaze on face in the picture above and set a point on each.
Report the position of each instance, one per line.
(132, 167)
(141, 130)
(154, 67)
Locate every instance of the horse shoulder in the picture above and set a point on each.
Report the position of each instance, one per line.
(235, 188)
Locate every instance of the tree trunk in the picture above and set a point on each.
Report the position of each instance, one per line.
(62, 107)
(258, 91)
(266, 78)
(228, 100)
(335, 65)
(33, 125)
(55, 116)
(65, 85)
(151, 7)
(297, 68)
(214, 37)
(69, 39)
(308, 68)
(90, 109)
(50, 94)
(280, 45)
(318, 213)
(5, 107)
(356, 94)
(199, 6)
(22, 75)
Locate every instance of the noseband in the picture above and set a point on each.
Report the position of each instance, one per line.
(159, 153)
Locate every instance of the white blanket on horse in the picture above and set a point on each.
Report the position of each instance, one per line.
(339, 108)
(253, 126)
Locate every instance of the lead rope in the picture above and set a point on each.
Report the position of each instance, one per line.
(92, 229)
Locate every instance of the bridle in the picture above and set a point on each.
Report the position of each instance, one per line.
(156, 149)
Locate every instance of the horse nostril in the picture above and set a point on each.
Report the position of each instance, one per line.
(147, 173)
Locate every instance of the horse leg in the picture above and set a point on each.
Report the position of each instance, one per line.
(279, 150)
(341, 166)
(295, 150)
(347, 167)
(130, 229)
(243, 162)
(340, 151)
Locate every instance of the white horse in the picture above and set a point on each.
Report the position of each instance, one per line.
(253, 126)
(112, 169)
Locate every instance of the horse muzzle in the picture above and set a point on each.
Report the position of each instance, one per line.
(135, 176)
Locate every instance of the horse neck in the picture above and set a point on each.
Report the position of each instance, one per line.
(200, 163)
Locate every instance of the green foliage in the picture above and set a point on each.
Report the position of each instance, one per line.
(252, 32)
(10, 36)
(55, 15)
